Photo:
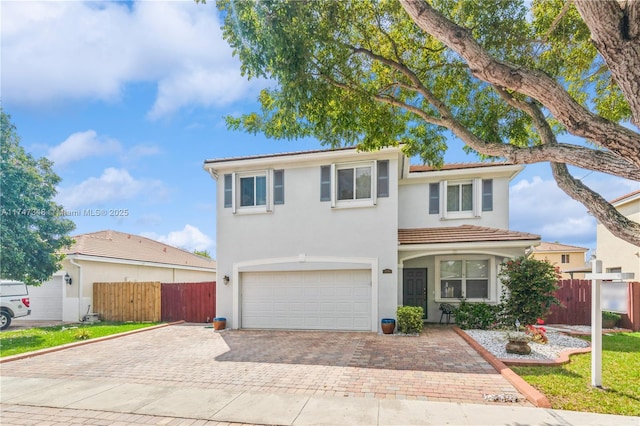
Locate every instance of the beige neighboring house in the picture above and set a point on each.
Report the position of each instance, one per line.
(570, 259)
(111, 256)
(618, 255)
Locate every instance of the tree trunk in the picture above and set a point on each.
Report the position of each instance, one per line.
(615, 31)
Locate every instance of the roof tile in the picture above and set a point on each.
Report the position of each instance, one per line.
(119, 245)
(460, 234)
(418, 168)
(545, 246)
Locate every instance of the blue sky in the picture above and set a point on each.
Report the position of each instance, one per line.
(128, 99)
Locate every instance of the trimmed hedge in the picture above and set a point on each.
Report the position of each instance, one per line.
(410, 319)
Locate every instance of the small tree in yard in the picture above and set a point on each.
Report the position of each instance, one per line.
(33, 229)
(528, 291)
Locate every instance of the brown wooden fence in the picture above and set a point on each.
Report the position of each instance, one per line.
(575, 296)
(127, 301)
(191, 302)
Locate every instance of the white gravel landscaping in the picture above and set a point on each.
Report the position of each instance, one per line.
(495, 342)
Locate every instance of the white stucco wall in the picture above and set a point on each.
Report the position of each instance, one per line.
(305, 227)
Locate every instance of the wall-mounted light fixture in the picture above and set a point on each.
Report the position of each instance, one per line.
(67, 278)
(225, 279)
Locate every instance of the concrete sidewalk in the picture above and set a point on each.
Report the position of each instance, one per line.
(110, 402)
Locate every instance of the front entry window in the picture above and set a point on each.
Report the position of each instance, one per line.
(464, 278)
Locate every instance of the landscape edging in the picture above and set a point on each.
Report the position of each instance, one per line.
(81, 343)
(536, 397)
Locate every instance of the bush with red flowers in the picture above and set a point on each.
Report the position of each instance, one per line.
(528, 289)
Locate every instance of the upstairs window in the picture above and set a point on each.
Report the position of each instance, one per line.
(461, 199)
(564, 258)
(253, 192)
(354, 184)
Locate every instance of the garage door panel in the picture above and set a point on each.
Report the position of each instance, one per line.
(361, 308)
(314, 300)
(46, 300)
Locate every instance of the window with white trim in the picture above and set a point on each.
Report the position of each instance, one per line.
(354, 184)
(461, 198)
(253, 192)
(564, 258)
(467, 277)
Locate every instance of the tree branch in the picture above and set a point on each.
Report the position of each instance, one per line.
(612, 219)
(615, 221)
(535, 84)
(587, 158)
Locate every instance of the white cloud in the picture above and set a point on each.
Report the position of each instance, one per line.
(540, 207)
(115, 185)
(200, 86)
(189, 238)
(82, 145)
(56, 51)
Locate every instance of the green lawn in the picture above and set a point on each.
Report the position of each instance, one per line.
(20, 341)
(568, 387)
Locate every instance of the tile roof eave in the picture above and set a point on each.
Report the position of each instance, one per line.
(111, 259)
(470, 244)
(466, 234)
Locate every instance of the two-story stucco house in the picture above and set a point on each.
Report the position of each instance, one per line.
(338, 239)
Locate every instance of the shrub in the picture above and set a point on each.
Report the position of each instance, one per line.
(410, 319)
(612, 316)
(476, 315)
(529, 287)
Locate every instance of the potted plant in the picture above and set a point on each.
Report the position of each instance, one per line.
(388, 325)
(219, 323)
(609, 319)
(518, 343)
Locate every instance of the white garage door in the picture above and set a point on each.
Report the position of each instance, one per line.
(46, 300)
(307, 300)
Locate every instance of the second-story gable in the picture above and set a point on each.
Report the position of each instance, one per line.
(456, 194)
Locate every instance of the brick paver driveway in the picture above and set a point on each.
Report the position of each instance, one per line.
(437, 366)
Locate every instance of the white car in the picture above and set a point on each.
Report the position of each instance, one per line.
(14, 302)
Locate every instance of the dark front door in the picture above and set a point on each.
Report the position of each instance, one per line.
(414, 288)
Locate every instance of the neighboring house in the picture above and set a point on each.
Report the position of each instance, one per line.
(569, 259)
(111, 256)
(338, 239)
(618, 255)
